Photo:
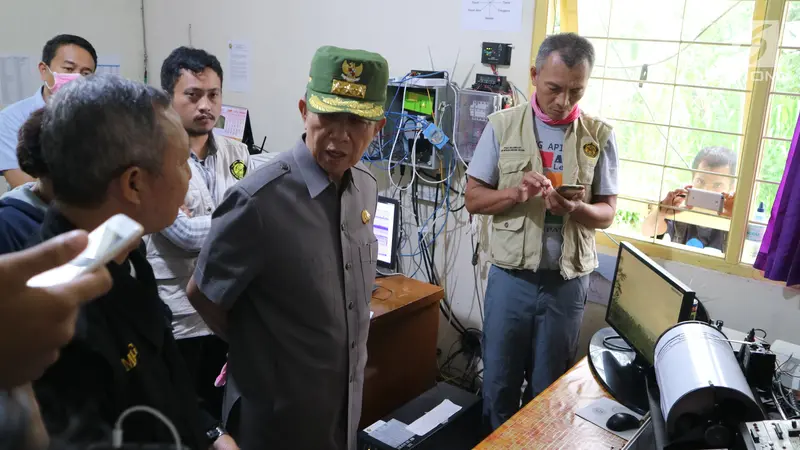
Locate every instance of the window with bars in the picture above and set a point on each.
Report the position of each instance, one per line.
(676, 77)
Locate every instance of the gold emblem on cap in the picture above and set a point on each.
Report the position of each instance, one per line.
(591, 150)
(352, 72)
(365, 217)
(347, 89)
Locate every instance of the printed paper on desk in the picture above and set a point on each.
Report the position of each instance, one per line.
(433, 418)
(392, 433)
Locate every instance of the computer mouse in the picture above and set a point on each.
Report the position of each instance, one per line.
(622, 422)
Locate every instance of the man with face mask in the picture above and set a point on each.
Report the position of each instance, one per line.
(64, 58)
(193, 79)
(542, 241)
(287, 270)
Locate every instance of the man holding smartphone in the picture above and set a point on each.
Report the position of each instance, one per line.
(715, 170)
(547, 173)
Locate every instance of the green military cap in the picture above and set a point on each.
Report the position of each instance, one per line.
(348, 81)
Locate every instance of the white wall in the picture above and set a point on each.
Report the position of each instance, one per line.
(112, 26)
(284, 35)
(744, 303)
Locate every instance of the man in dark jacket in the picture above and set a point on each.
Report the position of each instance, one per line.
(22, 209)
(115, 146)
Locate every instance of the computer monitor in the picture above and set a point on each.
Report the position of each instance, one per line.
(386, 228)
(645, 301)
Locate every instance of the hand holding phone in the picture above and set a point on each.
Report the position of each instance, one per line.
(106, 242)
(40, 321)
(570, 191)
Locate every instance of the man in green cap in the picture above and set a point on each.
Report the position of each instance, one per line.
(286, 272)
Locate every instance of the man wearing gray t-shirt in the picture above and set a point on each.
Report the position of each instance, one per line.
(547, 174)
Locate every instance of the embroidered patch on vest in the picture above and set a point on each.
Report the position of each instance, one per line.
(591, 150)
(238, 169)
(512, 149)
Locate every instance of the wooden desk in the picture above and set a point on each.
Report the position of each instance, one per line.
(401, 348)
(549, 420)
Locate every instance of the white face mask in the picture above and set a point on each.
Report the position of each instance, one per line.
(60, 79)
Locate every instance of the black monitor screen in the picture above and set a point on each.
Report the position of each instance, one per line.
(646, 300)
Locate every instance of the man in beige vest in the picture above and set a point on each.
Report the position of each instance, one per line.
(542, 239)
(193, 79)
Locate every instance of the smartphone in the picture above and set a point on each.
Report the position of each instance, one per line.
(699, 198)
(568, 190)
(105, 243)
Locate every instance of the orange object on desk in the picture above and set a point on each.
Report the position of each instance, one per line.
(549, 420)
(401, 347)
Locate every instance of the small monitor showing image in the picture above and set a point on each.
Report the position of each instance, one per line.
(646, 300)
(386, 229)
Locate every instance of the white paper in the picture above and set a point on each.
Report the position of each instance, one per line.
(433, 418)
(492, 15)
(601, 410)
(392, 433)
(18, 78)
(237, 77)
(111, 64)
(688, 359)
(371, 314)
(374, 426)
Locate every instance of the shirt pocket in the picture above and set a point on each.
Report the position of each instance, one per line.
(512, 170)
(369, 264)
(586, 167)
(508, 240)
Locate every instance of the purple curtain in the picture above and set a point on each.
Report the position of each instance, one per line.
(779, 256)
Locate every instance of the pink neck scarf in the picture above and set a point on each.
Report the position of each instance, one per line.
(571, 117)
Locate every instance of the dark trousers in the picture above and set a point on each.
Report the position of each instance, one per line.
(205, 356)
(530, 331)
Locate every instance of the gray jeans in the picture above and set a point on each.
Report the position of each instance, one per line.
(530, 332)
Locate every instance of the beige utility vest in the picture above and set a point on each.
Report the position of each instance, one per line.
(516, 239)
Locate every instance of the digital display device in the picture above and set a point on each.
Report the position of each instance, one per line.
(646, 300)
(386, 229)
(105, 243)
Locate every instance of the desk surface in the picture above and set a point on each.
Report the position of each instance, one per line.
(549, 420)
(399, 291)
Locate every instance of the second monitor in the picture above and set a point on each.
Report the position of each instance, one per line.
(386, 228)
(645, 301)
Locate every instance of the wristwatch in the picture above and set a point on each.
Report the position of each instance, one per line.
(215, 433)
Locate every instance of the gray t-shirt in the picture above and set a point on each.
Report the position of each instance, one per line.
(550, 139)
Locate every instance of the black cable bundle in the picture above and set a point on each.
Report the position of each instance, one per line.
(428, 261)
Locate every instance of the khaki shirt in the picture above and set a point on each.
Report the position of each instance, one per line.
(293, 262)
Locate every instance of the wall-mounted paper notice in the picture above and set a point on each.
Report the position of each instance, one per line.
(237, 77)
